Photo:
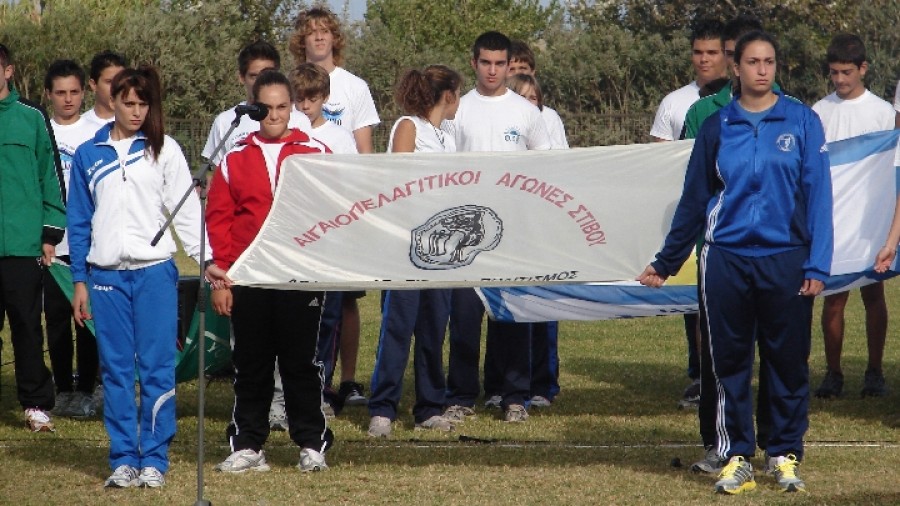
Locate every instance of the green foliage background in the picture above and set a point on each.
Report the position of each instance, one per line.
(594, 56)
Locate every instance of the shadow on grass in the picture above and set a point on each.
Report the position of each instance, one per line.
(72, 456)
(851, 404)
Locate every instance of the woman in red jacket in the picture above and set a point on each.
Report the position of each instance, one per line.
(267, 323)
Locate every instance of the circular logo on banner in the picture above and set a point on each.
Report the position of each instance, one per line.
(453, 237)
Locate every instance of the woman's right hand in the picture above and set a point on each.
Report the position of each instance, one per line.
(884, 259)
(651, 278)
(80, 308)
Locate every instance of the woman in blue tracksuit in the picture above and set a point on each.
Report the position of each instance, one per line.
(430, 97)
(759, 175)
(122, 182)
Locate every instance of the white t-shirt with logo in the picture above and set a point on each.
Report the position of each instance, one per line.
(246, 127)
(68, 138)
(669, 120)
(864, 114)
(350, 103)
(508, 122)
(338, 140)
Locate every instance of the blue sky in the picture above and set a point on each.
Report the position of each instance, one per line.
(357, 8)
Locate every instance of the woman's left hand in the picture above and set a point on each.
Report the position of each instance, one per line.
(217, 277)
(811, 287)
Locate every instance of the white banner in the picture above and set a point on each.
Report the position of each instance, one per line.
(466, 219)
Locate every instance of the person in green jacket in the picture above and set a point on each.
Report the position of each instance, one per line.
(32, 222)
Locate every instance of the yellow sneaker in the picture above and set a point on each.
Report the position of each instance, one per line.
(785, 471)
(736, 477)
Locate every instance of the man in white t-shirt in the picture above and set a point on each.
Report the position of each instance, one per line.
(104, 67)
(253, 59)
(491, 118)
(708, 59)
(317, 38)
(64, 88)
(848, 112)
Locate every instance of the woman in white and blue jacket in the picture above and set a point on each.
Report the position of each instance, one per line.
(122, 183)
(758, 184)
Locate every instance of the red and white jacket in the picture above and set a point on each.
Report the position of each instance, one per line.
(242, 191)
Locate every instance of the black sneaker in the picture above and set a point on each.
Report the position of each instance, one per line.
(351, 394)
(873, 384)
(832, 385)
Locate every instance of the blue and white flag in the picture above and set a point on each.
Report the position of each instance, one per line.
(865, 185)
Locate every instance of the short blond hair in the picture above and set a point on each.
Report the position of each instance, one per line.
(518, 82)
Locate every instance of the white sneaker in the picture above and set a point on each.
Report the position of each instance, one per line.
(539, 401)
(516, 413)
(151, 477)
(244, 460)
(436, 422)
(493, 402)
(123, 477)
(458, 414)
(311, 461)
(379, 426)
(38, 420)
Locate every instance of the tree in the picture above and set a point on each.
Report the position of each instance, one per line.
(194, 44)
(399, 34)
(38, 38)
(876, 21)
(666, 17)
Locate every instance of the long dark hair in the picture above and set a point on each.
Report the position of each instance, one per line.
(418, 91)
(145, 82)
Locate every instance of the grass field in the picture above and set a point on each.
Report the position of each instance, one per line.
(610, 438)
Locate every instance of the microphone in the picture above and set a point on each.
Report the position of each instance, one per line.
(256, 112)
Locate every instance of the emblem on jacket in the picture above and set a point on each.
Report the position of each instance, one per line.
(786, 142)
(453, 237)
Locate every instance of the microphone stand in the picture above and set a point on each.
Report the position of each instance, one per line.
(199, 182)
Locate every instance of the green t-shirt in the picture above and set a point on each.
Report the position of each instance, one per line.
(704, 108)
